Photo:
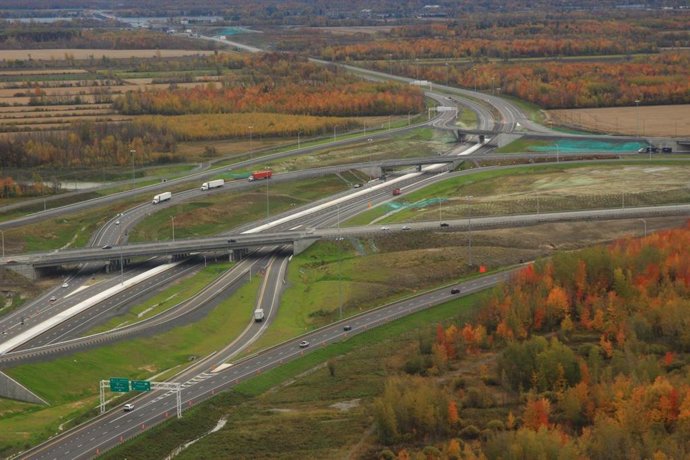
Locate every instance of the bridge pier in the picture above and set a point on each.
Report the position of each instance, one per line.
(26, 270)
(299, 246)
(239, 253)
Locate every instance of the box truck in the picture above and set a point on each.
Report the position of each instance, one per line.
(212, 184)
(165, 196)
(259, 315)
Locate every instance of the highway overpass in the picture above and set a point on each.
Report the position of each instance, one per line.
(237, 245)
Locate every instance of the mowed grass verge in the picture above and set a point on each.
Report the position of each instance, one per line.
(539, 188)
(300, 407)
(70, 383)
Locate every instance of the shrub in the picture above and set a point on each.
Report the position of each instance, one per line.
(470, 432)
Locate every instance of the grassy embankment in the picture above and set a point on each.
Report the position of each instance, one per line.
(70, 383)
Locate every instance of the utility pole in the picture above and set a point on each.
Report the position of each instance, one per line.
(172, 219)
(250, 141)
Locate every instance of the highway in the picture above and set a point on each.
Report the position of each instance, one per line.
(102, 433)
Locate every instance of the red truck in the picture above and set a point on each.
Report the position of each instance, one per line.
(258, 175)
(396, 192)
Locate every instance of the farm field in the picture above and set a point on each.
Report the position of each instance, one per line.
(658, 120)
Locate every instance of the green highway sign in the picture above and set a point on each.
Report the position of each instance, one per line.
(119, 385)
(141, 385)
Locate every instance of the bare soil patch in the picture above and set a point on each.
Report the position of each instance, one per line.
(95, 53)
(658, 120)
(354, 30)
(19, 73)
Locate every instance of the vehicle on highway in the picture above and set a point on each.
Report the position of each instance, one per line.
(666, 150)
(232, 241)
(406, 227)
(303, 344)
(53, 298)
(259, 315)
(258, 175)
(128, 407)
(161, 197)
(455, 291)
(445, 224)
(107, 246)
(385, 229)
(212, 184)
(347, 327)
(117, 222)
(65, 284)
(396, 192)
(357, 186)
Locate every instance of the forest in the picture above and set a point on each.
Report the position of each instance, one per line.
(516, 36)
(280, 83)
(586, 357)
(651, 80)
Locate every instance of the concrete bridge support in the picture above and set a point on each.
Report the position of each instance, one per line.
(11, 389)
(299, 246)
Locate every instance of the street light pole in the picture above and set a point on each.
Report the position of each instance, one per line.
(250, 141)
(3, 242)
(133, 152)
(297, 139)
(645, 226)
(469, 225)
(172, 219)
(267, 206)
(637, 112)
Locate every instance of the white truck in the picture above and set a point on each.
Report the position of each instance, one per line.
(212, 184)
(259, 315)
(161, 197)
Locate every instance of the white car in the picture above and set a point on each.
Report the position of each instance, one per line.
(53, 298)
(65, 284)
(385, 229)
(406, 227)
(303, 344)
(128, 407)
(117, 222)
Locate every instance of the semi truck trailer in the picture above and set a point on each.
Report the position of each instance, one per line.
(212, 184)
(165, 196)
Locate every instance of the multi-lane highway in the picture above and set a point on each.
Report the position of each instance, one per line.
(205, 378)
(102, 433)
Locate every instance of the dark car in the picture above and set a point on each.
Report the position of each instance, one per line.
(666, 149)
(445, 224)
(232, 241)
(455, 291)
(347, 327)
